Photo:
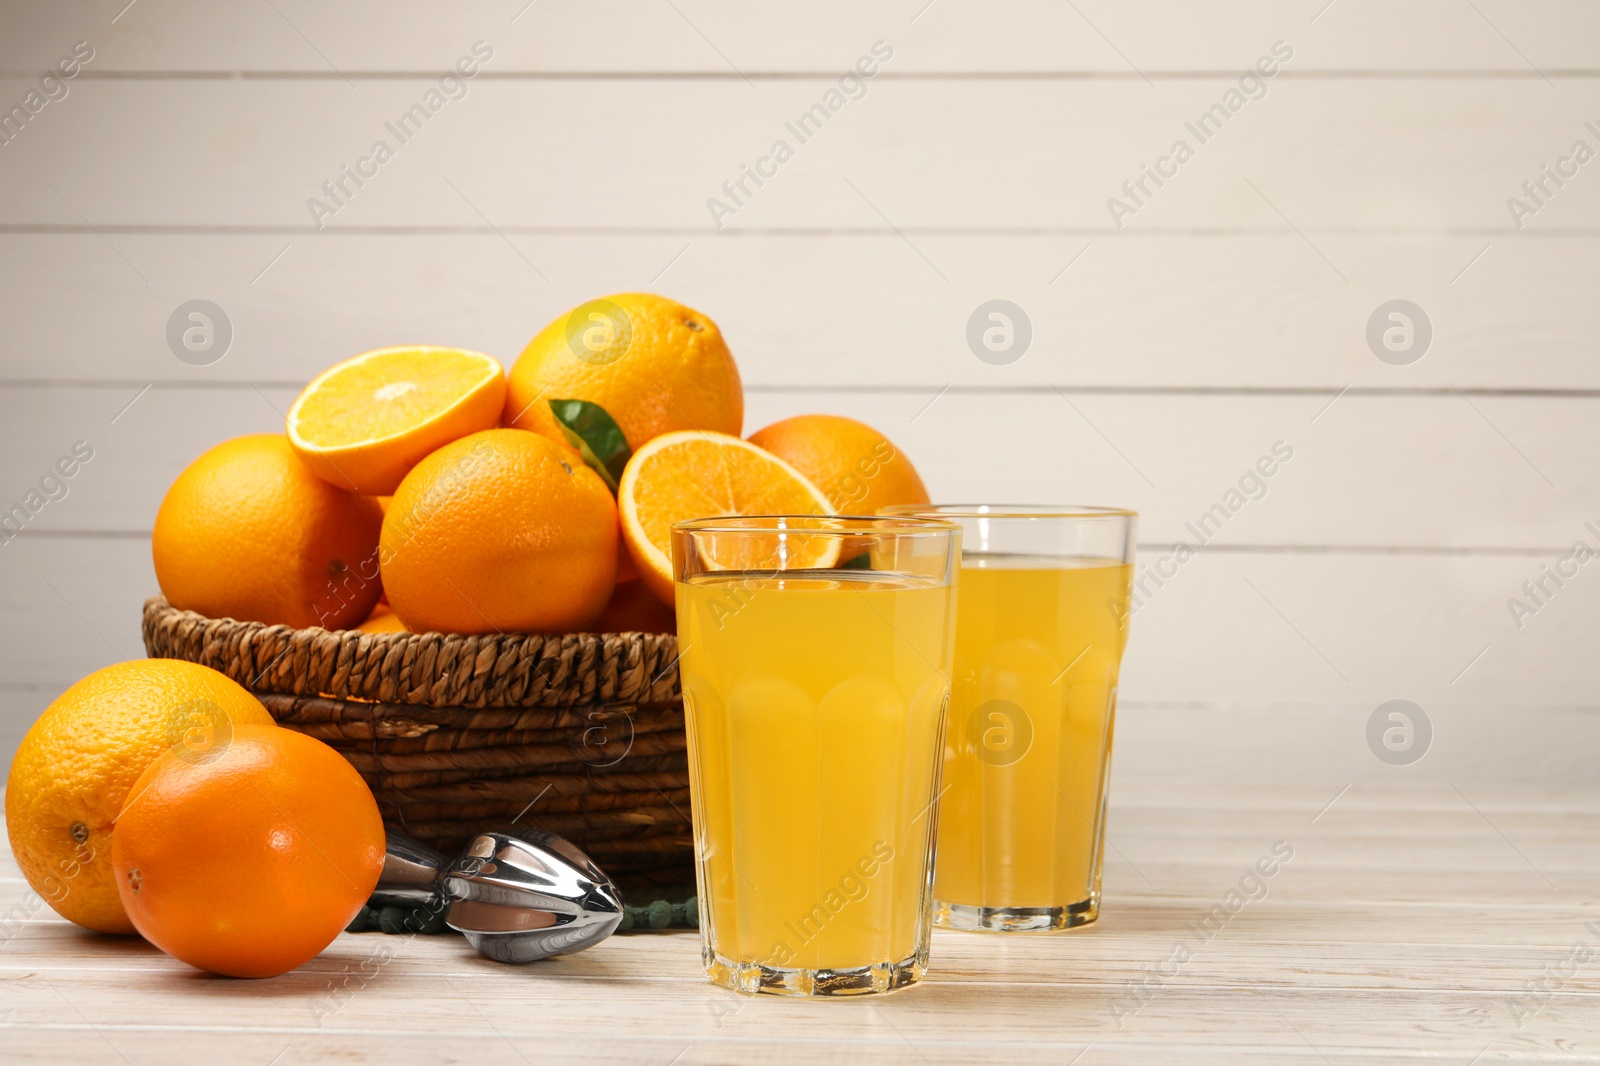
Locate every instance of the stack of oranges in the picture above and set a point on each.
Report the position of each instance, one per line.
(414, 489)
(470, 501)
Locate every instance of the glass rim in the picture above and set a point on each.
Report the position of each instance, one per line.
(1006, 510)
(852, 525)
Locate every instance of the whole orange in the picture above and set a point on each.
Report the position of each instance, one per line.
(250, 863)
(655, 366)
(500, 531)
(856, 467)
(247, 531)
(76, 764)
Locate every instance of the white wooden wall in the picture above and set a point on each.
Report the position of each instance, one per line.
(1168, 354)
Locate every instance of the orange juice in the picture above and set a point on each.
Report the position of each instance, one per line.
(1038, 643)
(815, 702)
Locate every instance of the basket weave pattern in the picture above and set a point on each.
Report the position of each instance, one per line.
(581, 734)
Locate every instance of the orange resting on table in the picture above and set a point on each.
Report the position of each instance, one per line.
(249, 860)
(76, 764)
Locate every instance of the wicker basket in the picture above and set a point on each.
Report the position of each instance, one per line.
(581, 734)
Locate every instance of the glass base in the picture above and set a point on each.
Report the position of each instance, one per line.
(800, 981)
(1015, 919)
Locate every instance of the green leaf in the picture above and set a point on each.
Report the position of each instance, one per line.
(589, 428)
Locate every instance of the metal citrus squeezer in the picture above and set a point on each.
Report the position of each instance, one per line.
(517, 895)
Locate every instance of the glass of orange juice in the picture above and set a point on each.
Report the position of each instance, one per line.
(1040, 628)
(815, 666)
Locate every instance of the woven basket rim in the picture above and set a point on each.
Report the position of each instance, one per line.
(432, 669)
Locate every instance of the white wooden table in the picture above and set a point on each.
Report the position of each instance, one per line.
(1410, 924)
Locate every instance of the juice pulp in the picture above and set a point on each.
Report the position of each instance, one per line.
(815, 707)
(1038, 643)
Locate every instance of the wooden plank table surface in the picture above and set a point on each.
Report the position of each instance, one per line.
(1417, 919)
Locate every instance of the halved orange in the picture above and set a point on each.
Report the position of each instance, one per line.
(698, 474)
(363, 423)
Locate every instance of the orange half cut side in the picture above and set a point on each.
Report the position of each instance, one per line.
(691, 474)
(362, 424)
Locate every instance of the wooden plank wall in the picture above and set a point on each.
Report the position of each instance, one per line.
(1172, 345)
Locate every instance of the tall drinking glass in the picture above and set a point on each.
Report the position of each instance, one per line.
(815, 666)
(1040, 628)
